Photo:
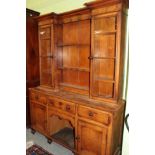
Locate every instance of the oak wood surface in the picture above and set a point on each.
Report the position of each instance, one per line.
(81, 56)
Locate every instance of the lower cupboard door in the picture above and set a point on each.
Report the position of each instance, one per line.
(40, 113)
(92, 139)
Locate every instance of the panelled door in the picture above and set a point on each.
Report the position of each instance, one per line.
(39, 117)
(46, 55)
(91, 139)
(103, 55)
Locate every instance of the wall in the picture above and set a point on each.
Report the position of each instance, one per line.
(57, 6)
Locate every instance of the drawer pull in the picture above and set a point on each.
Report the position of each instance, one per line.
(91, 114)
(77, 137)
(68, 108)
(51, 102)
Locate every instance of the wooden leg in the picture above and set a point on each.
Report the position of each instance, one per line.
(49, 141)
(33, 131)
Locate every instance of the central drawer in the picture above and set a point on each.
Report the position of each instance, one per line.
(62, 105)
(94, 114)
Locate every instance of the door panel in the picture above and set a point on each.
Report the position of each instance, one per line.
(46, 55)
(105, 24)
(104, 69)
(103, 56)
(104, 45)
(45, 71)
(103, 78)
(70, 33)
(39, 117)
(103, 89)
(45, 46)
(92, 139)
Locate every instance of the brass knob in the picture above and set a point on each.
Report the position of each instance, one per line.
(68, 107)
(91, 113)
(77, 137)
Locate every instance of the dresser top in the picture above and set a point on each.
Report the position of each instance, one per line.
(80, 99)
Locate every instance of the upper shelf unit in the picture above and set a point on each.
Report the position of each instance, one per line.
(82, 51)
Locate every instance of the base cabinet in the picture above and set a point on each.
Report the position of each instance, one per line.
(80, 128)
(92, 139)
(39, 117)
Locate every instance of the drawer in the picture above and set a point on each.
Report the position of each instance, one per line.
(45, 32)
(94, 114)
(38, 98)
(62, 105)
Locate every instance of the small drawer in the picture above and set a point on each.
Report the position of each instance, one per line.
(51, 102)
(94, 114)
(65, 106)
(38, 98)
(45, 32)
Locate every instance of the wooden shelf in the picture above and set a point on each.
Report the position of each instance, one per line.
(103, 57)
(104, 79)
(73, 45)
(104, 33)
(74, 86)
(76, 69)
(65, 136)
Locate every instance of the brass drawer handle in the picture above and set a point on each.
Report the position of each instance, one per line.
(68, 108)
(91, 114)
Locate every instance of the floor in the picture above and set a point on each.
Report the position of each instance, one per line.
(40, 140)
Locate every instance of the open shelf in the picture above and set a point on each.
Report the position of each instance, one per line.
(73, 68)
(65, 136)
(74, 86)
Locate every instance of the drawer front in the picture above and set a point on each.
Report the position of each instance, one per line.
(45, 32)
(62, 105)
(66, 106)
(94, 114)
(38, 98)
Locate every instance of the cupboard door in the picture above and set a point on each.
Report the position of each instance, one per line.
(103, 56)
(103, 78)
(39, 117)
(46, 55)
(91, 139)
(46, 77)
